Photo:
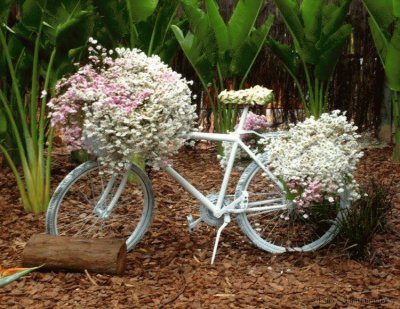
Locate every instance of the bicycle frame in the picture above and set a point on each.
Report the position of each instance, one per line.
(235, 138)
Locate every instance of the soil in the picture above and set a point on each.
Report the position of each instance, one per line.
(170, 268)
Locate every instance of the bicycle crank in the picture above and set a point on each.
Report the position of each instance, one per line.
(207, 216)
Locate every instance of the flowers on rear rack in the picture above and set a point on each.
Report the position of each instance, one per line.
(316, 160)
(123, 103)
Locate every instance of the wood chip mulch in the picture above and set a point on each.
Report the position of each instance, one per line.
(170, 268)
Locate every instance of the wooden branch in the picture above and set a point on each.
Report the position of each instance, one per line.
(67, 253)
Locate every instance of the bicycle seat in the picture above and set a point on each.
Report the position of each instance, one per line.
(256, 95)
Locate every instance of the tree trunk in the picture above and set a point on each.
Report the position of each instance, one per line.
(67, 253)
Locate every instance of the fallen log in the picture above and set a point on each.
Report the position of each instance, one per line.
(68, 253)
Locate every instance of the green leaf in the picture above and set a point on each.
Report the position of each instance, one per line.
(199, 60)
(392, 63)
(380, 40)
(142, 9)
(155, 35)
(290, 12)
(286, 54)
(309, 53)
(3, 123)
(242, 21)
(332, 51)
(381, 11)
(74, 32)
(6, 280)
(31, 12)
(113, 19)
(218, 25)
(334, 17)
(311, 11)
(396, 8)
(244, 57)
(5, 10)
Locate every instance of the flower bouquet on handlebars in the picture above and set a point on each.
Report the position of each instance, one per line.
(123, 104)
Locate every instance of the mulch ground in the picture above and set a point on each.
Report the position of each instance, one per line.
(170, 268)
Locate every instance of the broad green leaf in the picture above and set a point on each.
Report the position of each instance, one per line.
(396, 8)
(242, 21)
(392, 68)
(5, 10)
(311, 11)
(309, 53)
(218, 25)
(381, 11)
(380, 40)
(31, 12)
(113, 15)
(3, 122)
(155, 33)
(198, 60)
(244, 57)
(335, 17)
(74, 32)
(142, 9)
(198, 20)
(395, 40)
(290, 12)
(332, 51)
(392, 63)
(286, 54)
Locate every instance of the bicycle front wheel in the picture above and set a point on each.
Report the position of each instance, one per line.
(277, 227)
(81, 206)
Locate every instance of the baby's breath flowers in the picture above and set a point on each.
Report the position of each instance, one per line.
(251, 96)
(123, 103)
(316, 160)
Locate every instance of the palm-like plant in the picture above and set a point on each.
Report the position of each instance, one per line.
(319, 33)
(140, 24)
(384, 22)
(46, 35)
(222, 54)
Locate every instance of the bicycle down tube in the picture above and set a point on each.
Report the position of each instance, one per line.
(237, 142)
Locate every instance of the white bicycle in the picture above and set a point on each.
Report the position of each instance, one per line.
(92, 204)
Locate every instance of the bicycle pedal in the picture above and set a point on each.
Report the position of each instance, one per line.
(192, 223)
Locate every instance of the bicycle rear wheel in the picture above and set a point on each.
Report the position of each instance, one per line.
(279, 229)
(80, 206)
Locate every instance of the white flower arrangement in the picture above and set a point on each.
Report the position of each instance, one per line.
(251, 96)
(124, 104)
(316, 160)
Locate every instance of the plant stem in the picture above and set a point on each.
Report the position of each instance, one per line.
(396, 125)
(310, 103)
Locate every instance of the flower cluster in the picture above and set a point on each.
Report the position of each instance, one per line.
(256, 122)
(123, 103)
(251, 96)
(316, 160)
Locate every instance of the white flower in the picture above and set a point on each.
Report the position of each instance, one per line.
(319, 156)
(135, 105)
(255, 95)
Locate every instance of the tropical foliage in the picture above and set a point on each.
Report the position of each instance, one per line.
(319, 32)
(384, 23)
(11, 274)
(222, 54)
(140, 24)
(35, 50)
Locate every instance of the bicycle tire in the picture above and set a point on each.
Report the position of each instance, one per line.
(69, 201)
(271, 233)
